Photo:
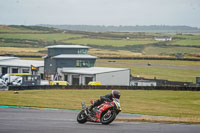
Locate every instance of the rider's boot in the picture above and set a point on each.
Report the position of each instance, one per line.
(90, 112)
(90, 116)
(89, 109)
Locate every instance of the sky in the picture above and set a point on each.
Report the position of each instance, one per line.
(100, 12)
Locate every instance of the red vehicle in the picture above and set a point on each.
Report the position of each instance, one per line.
(104, 113)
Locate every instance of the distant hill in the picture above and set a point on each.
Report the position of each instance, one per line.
(152, 28)
(26, 29)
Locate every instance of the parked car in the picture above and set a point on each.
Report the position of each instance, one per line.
(58, 83)
(3, 86)
(9, 78)
(94, 83)
(17, 82)
(44, 82)
(2, 81)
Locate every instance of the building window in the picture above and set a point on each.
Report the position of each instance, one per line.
(84, 63)
(82, 51)
(4, 70)
(25, 70)
(14, 70)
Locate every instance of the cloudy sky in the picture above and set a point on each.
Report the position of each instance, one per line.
(100, 12)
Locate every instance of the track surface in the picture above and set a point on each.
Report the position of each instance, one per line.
(15, 120)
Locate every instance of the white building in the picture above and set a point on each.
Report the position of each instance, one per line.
(10, 65)
(105, 75)
(163, 39)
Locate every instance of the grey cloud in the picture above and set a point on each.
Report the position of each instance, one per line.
(101, 12)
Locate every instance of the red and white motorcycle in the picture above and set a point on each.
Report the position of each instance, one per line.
(104, 113)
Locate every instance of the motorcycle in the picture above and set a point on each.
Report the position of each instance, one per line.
(104, 113)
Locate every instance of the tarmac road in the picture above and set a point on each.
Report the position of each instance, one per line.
(18, 120)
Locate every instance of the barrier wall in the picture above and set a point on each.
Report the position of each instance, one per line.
(176, 88)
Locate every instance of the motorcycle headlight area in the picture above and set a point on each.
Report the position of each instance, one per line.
(117, 104)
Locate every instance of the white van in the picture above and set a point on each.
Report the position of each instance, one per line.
(3, 85)
(17, 82)
(2, 81)
(8, 78)
(44, 82)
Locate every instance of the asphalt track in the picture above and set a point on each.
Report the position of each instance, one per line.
(18, 120)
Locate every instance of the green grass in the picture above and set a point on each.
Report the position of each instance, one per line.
(43, 37)
(186, 42)
(163, 62)
(171, 51)
(109, 42)
(139, 67)
(28, 58)
(138, 44)
(166, 73)
(188, 36)
(9, 29)
(14, 45)
(164, 103)
(23, 51)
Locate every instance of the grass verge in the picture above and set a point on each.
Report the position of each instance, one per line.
(162, 120)
(178, 106)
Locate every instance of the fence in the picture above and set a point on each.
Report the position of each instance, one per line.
(175, 88)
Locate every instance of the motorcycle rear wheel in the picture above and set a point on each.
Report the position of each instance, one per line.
(108, 117)
(82, 118)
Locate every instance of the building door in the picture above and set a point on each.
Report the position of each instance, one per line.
(66, 78)
(88, 79)
(42, 76)
(4, 70)
(75, 80)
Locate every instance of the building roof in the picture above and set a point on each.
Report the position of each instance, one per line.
(75, 56)
(92, 70)
(68, 46)
(7, 58)
(22, 63)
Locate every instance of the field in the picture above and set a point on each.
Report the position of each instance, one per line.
(171, 51)
(186, 42)
(111, 42)
(117, 43)
(26, 51)
(41, 37)
(181, 104)
(184, 71)
(14, 29)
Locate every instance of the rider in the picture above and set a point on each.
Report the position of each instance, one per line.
(108, 97)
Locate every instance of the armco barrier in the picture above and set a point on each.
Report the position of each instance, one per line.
(107, 87)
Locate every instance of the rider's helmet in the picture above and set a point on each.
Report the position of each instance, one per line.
(116, 94)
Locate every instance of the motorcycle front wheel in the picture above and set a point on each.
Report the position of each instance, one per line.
(108, 117)
(82, 118)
